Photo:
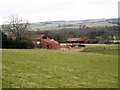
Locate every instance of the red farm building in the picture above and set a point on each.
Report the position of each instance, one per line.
(45, 42)
(75, 41)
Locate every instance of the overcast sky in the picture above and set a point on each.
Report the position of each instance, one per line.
(46, 10)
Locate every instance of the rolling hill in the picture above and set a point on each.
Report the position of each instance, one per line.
(56, 25)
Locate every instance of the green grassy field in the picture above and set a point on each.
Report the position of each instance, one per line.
(76, 25)
(109, 49)
(39, 68)
(0, 69)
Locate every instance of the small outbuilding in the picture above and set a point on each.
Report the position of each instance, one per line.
(75, 41)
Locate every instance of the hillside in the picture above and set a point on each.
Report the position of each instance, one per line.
(56, 25)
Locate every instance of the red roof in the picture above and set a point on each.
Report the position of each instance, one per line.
(50, 41)
(75, 39)
(46, 42)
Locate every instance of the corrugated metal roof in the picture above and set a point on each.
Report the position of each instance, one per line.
(74, 39)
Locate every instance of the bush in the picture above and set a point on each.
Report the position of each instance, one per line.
(16, 44)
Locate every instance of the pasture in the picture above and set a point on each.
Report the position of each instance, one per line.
(109, 49)
(74, 24)
(42, 68)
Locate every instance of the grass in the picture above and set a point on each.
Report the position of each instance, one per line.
(39, 68)
(0, 69)
(101, 24)
(110, 49)
(54, 25)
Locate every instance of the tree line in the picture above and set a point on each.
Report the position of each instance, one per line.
(16, 33)
(90, 34)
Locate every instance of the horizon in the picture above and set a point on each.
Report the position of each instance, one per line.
(77, 19)
(71, 20)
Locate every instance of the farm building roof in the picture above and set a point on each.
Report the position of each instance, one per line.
(45, 41)
(50, 41)
(75, 39)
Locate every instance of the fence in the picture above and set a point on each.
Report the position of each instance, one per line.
(103, 48)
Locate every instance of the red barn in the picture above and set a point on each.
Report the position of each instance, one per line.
(45, 42)
(75, 41)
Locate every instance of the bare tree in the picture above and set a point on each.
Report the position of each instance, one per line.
(18, 27)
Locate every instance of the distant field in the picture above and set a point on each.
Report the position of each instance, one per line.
(39, 68)
(76, 25)
(110, 49)
(100, 24)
